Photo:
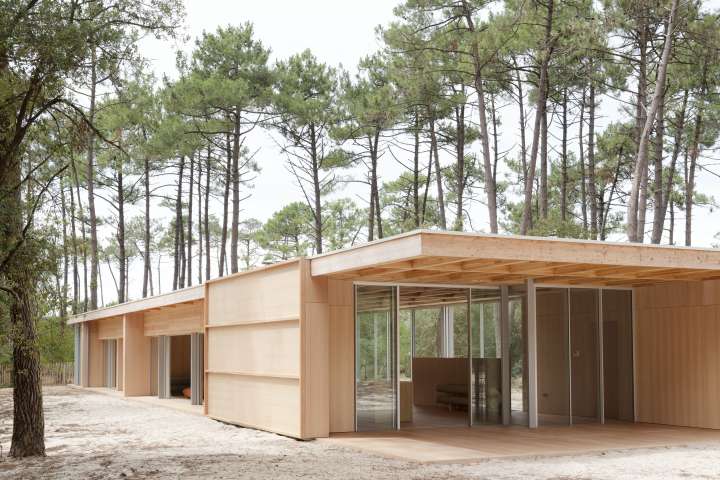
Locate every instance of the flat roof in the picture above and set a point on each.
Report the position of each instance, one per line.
(460, 258)
(442, 257)
(185, 295)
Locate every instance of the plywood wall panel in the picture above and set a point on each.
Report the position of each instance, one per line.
(269, 348)
(136, 356)
(271, 404)
(175, 320)
(96, 357)
(342, 356)
(253, 365)
(260, 295)
(315, 338)
(677, 347)
(109, 328)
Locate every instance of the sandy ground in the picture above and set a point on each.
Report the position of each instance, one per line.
(94, 436)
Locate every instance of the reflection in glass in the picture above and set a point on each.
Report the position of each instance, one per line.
(518, 355)
(375, 372)
(486, 377)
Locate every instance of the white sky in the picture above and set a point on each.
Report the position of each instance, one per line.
(338, 32)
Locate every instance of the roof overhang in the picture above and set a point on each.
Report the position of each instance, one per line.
(467, 258)
(186, 295)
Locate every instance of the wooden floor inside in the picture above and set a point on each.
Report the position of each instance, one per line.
(466, 445)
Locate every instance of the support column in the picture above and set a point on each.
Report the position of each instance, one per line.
(163, 366)
(77, 357)
(532, 354)
(136, 356)
(85, 354)
(505, 353)
(196, 368)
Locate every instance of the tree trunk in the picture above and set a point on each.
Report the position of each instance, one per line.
(490, 187)
(121, 233)
(28, 436)
(178, 227)
(373, 189)
(583, 178)
(460, 165)
(592, 186)
(416, 172)
(208, 167)
(677, 144)
(91, 187)
(235, 195)
(199, 218)
(564, 165)
(146, 232)
(190, 219)
(226, 201)
(539, 118)
(658, 216)
(635, 229)
(521, 105)
(316, 207)
(544, 166)
(66, 256)
(76, 270)
(19, 287)
(438, 175)
(690, 176)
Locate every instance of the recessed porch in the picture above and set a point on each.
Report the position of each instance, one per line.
(467, 445)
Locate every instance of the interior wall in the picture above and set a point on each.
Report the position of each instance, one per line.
(677, 333)
(618, 354)
(428, 373)
(552, 348)
(253, 340)
(179, 363)
(584, 350)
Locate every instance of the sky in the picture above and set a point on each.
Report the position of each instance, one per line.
(339, 33)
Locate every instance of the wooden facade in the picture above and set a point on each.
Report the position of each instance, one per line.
(279, 341)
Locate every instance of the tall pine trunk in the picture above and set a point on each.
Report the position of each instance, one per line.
(540, 111)
(234, 233)
(635, 227)
(438, 175)
(91, 187)
(190, 219)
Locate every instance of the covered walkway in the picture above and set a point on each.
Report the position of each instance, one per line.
(465, 445)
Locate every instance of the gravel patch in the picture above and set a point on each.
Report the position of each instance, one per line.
(94, 436)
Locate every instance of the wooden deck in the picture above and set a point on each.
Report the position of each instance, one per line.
(467, 445)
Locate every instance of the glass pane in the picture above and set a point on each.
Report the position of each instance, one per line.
(427, 332)
(518, 355)
(552, 356)
(584, 351)
(486, 375)
(618, 354)
(375, 372)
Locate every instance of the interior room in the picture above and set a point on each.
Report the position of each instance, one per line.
(440, 364)
(180, 366)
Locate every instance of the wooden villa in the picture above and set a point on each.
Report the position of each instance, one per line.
(429, 329)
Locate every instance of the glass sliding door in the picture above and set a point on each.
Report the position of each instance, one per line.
(486, 348)
(376, 395)
(517, 310)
